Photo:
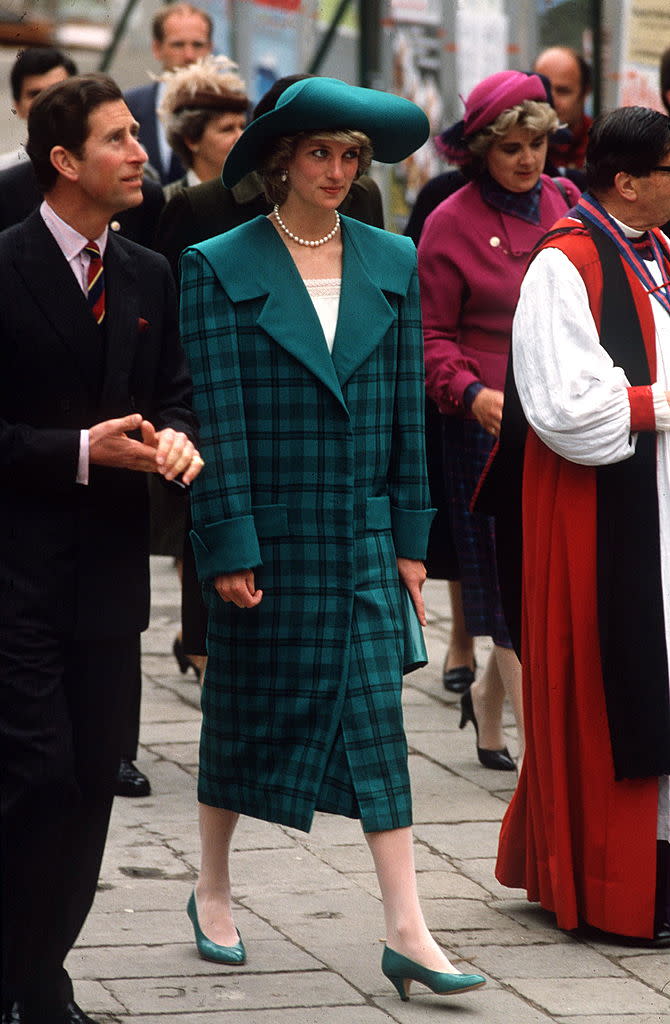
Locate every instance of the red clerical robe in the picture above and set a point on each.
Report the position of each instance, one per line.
(582, 844)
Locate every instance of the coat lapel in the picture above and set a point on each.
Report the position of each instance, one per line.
(369, 270)
(365, 314)
(55, 289)
(288, 314)
(121, 319)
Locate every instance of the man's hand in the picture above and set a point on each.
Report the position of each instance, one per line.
(175, 454)
(238, 587)
(487, 409)
(413, 574)
(109, 445)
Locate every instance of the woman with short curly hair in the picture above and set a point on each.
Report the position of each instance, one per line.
(204, 110)
(473, 251)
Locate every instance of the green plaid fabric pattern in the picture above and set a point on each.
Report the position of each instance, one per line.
(317, 484)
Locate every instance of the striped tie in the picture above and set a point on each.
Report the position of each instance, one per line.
(96, 282)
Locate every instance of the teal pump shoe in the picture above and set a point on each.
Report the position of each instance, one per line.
(402, 972)
(232, 955)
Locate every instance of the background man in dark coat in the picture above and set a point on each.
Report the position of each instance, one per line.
(35, 69)
(94, 392)
(181, 34)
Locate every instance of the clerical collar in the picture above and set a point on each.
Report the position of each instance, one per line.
(525, 205)
(631, 245)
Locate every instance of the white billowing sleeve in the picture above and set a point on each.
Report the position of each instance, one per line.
(574, 397)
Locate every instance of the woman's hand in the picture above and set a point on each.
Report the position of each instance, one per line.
(487, 409)
(413, 574)
(238, 587)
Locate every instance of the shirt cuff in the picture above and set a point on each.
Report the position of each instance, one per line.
(82, 463)
(471, 393)
(661, 407)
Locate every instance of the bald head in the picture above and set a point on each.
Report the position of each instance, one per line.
(569, 75)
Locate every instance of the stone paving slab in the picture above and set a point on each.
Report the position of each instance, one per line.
(545, 961)
(302, 1015)
(596, 995)
(292, 870)
(619, 1018)
(267, 956)
(463, 840)
(172, 995)
(652, 967)
(488, 1005)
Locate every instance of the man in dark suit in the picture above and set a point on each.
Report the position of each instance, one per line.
(181, 34)
(19, 195)
(94, 393)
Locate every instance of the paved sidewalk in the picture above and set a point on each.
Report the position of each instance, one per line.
(308, 905)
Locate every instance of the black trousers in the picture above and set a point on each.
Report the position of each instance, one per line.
(63, 699)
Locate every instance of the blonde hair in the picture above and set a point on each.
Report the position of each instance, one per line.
(535, 116)
(276, 159)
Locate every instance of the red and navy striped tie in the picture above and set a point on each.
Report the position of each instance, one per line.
(96, 282)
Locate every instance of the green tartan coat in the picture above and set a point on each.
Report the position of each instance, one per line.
(315, 478)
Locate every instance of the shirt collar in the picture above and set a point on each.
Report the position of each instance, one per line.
(70, 241)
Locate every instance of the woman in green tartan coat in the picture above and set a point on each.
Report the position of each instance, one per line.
(306, 356)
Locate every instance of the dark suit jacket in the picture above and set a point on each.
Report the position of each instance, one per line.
(142, 105)
(20, 195)
(203, 211)
(74, 556)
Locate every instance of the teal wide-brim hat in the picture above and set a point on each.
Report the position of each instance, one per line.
(395, 126)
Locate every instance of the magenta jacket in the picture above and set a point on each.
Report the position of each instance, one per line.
(472, 259)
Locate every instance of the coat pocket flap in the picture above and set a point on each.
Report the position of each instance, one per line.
(378, 513)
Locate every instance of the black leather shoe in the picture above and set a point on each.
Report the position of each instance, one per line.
(131, 781)
(458, 680)
(73, 1014)
(498, 760)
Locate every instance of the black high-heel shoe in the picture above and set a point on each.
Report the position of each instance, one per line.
(183, 660)
(459, 679)
(498, 760)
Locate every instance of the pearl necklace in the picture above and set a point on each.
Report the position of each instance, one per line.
(305, 241)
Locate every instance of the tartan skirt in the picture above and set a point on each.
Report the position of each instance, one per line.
(467, 447)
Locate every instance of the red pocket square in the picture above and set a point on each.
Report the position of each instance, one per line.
(142, 324)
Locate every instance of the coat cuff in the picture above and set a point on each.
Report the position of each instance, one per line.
(410, 528)
(453, 401)
(226, 546)
(642, 415)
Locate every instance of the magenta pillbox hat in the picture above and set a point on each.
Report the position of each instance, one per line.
(499, 92)
(487, 100)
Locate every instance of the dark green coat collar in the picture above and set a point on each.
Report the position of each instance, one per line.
(374, 262)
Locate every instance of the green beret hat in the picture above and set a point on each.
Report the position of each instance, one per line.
(395, 126)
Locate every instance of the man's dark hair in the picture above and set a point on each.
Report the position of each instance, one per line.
(665, 78)
(630, 139)
(59, 117)
(161, 16)
(37, 60)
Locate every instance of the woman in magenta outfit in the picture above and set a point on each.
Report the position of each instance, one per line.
(473, 252)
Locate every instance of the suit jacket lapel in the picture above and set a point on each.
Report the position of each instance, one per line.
(121, 320)
(55, 289)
